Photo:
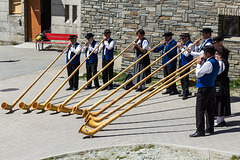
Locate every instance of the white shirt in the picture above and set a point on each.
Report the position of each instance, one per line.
(221, 66)
(90, 48)
(199, 52)
(145, 44)
(72, 49)
(186, 53)
(203, 69)
(107, 45)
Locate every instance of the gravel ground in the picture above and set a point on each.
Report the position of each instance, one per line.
(139, 152)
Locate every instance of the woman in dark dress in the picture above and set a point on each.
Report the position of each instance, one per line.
(222, 96)
(141, 47)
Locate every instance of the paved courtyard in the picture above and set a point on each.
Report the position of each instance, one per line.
(163, 119)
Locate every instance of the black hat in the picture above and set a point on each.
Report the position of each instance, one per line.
(206, 30)
(167, 34)
(209, 49)
(89, 35)
(72, 37)
(107, 31)
(184, 35)
(217, 39)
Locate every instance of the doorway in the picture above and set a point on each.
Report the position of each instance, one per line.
(46, 16)
(38, 17)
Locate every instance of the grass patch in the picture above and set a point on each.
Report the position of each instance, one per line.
(13, 43)
(121, 78)
(234, 157)
(116, 53)
(234, 84)
(137, 148)
(150, 146)
(122, 157)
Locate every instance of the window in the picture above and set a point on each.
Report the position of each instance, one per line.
(229, 26)
(66, 13)
(15, 7)
(74, 13)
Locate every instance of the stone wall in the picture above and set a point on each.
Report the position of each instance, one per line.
(10, 29)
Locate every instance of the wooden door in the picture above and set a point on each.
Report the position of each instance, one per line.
(34, 18)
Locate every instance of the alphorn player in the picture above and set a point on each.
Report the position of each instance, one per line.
(141, 47)
(92, 61)
(206, 35)
(184, 59)
(107, 46)
(70, 52)
(168, 44)
(206, 74)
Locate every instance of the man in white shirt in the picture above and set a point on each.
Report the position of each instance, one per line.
(107, 46)
(92, 61)
(73, 49)
(184, 59)
(206, 74)
(206, 35)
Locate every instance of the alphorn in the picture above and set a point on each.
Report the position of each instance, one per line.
(86, 111)
(79, 111)
(84, 130)
(99, 89)
(53, 107)
(92, 121)
(6, 106)
(24, 106)
(129, 90)
(38, 106)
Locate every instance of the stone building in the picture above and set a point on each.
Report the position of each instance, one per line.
(22, 19)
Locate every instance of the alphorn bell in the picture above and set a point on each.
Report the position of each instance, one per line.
(91, 132)
(24, 106)
(129, 90)
(84, 112)
(6, 106)
(92, 121)
(54, 108)
(38, 106)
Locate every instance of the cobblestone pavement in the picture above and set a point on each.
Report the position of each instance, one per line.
(162, 120)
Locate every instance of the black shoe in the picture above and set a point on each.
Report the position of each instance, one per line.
(180, 95)
(74, 89)
(197, 134)
(221, 124)
(109, 88)
(97, 87)
(167, 92)
(173, 93)
(70, 88)
(139, 90)
(88, 87)
(209, 132)
(184, 97)
(105, 88)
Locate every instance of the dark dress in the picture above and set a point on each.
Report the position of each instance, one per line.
(140, 65)
(222, 98)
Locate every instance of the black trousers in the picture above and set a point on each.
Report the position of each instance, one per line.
(107, 74)
(91, 71)
(205, 106)
(166, 72)
(73, 82)
(185, 81)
